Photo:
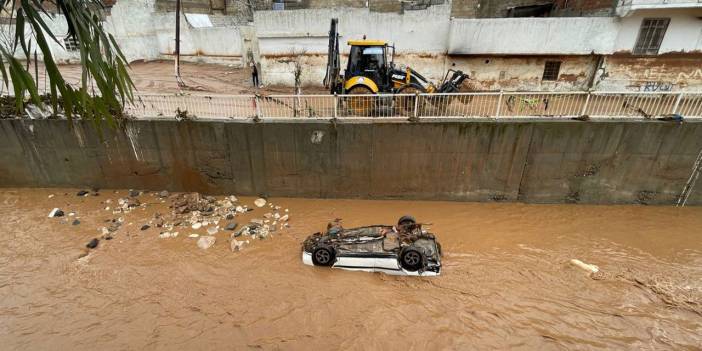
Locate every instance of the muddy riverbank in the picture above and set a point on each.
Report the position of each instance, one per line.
(507, 281)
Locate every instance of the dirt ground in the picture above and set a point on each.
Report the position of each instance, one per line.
(159, 77)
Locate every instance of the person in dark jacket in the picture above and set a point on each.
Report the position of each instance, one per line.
(254, 74)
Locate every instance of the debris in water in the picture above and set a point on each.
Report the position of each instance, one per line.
(163, 193)
(587, 267)
(56, 212)
(231, 226)
(145, 227)
(260, 202)
(166, 235)
(237, 245)
(76, 222)
(197, 225)
(212, 231)
(133, 193)
(205, 242)
(93, 243)
(82, 193)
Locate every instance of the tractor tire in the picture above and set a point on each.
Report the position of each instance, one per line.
(405, 104)
(362, 106)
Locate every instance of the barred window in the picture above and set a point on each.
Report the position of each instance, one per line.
(551, 70)
(70, 43)
(651, 35)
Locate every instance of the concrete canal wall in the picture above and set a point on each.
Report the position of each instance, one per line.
(531, 161)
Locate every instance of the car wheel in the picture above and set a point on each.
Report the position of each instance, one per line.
(411, 259)
(323, 256)
(405, 220)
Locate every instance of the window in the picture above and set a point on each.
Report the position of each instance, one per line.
(70, 43)
(551, 70)
(651, 35)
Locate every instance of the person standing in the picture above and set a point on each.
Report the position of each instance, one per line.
(254, 74)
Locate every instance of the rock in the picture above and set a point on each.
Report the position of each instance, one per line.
(257, 221)
(260, 202)
(591, 268)
(193, 235)
(133, 193)
(51, 195)
(145, 227)
(82, 193)
(284, 218)
(197, 225)
(71, 214)
(237, 245)
(230, 216)
(212, 231)
(240, 209)
(231, 226)
(249, 209)
(93, 243)
(166, 235)
(276, 215)
(107, 208)
(205, 242)
(164, 193)
(76, 222)
(56, 212)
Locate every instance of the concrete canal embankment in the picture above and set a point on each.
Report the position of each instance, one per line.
(531, 161)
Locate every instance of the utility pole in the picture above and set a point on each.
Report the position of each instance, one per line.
(177, 46)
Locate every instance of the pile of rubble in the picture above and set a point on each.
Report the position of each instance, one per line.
(196, 211)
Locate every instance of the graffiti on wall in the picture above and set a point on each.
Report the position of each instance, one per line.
(695, 74)
(656, 86)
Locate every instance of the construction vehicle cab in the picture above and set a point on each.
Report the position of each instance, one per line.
(368, 67)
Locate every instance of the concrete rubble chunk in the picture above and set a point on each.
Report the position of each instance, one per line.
(205, 242)
(237, 245)
(260, 202)
(56, 212)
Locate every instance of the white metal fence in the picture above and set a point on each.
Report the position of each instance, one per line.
(642, 105)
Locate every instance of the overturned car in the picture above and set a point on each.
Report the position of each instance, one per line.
(404, 249)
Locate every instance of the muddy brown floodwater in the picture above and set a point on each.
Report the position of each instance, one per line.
(506, 283)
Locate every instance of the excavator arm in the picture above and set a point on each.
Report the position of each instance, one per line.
(332, 78)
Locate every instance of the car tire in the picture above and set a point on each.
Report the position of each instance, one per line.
(411, 259)
(323, 256)
(407, 219)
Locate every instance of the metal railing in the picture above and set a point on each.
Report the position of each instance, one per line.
(641, 105)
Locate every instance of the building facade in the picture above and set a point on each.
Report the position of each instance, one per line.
(513, 45)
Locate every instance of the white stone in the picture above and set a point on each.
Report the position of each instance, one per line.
(205, 242)
(284, 218)
(212, 231)
(193, 235)
(196, 225)
(591, 268)
(260, 202)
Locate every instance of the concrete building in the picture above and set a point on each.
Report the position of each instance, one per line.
(522, 45)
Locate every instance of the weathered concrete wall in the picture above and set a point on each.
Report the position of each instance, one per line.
(667, 73)
(554, 161)
(559, 36)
